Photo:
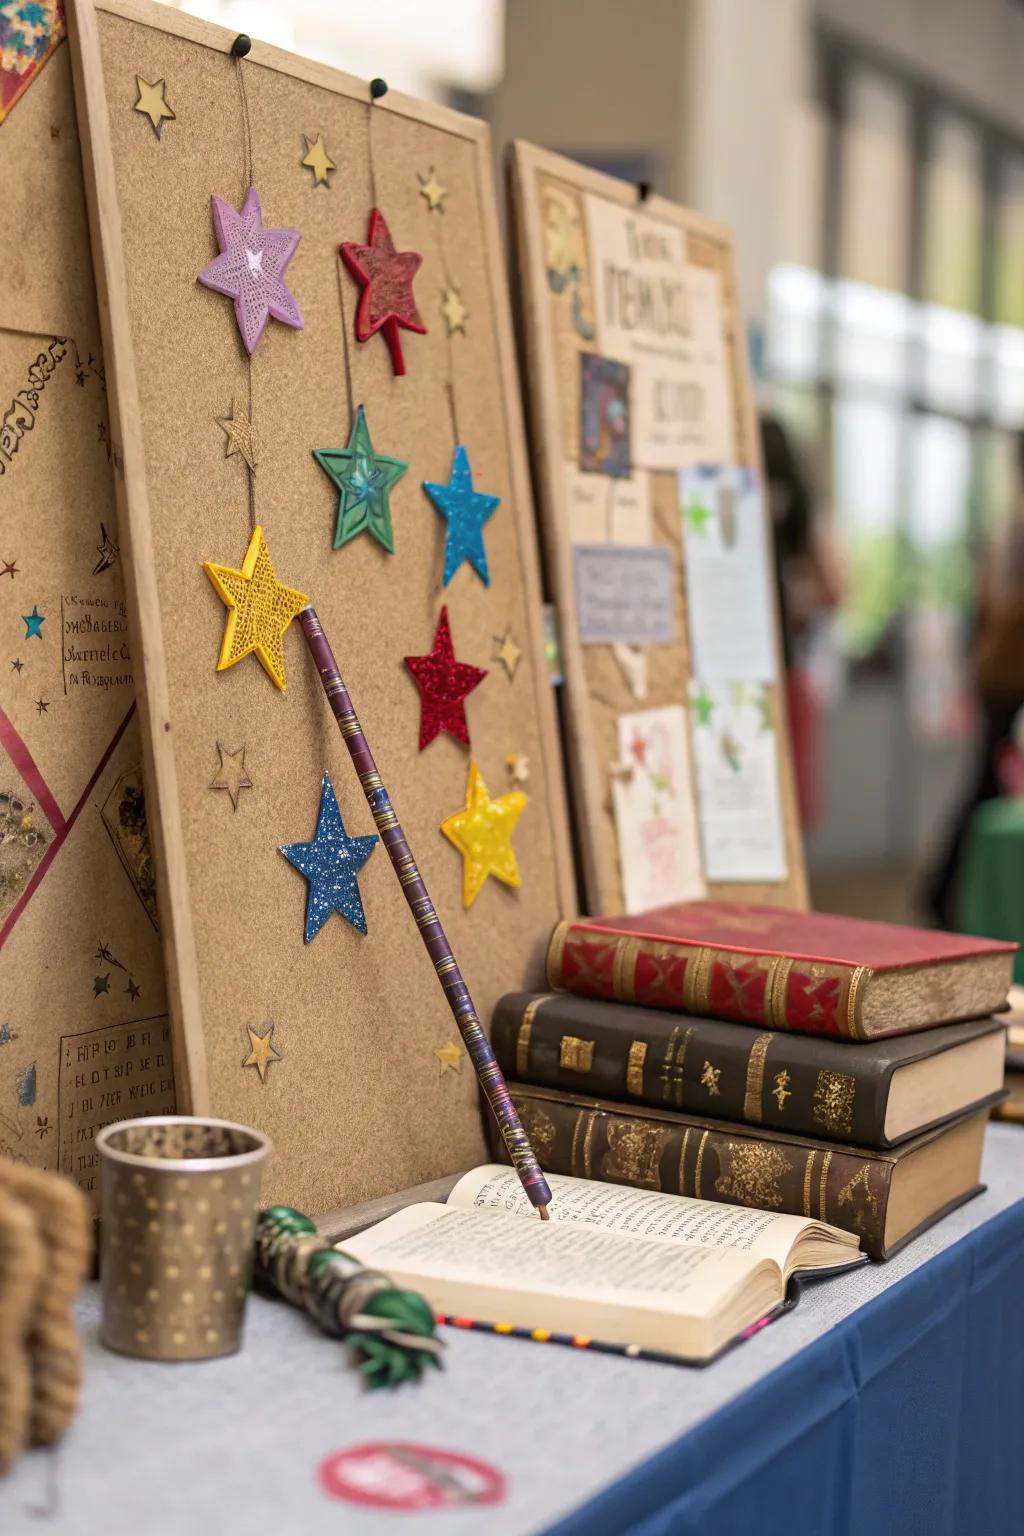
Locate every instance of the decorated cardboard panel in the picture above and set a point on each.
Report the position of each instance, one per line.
(83, 1017)
(656, 544)
(309, 349)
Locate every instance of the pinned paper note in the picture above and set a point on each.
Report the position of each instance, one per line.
(604, 509)
(728, 580)
(736, 759)
(624, 594)
(653, 803)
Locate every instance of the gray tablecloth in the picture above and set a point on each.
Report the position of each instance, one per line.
(233, 1446)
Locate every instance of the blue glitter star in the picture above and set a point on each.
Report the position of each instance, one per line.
(34, 623)
(467, 511)
(331, 863)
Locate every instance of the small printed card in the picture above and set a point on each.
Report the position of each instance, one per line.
(604, 510)
(604, 415)
(740, 808)
(625, 594)
(655, 820)
(728, 582)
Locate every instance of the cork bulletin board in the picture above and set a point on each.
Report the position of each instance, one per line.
(83, 1016)
(342, 1048)
(636, 373)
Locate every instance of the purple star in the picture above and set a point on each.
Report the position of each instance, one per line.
(250, 267)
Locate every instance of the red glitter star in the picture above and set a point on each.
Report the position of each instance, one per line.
(443, 683)
(387, 300)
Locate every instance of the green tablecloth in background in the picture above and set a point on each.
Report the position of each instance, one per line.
(991, 896)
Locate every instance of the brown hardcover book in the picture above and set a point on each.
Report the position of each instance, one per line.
(886, 1198)
(876, 1094)
(811, 972)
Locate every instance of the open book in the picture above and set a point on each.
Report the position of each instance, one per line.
(630, 1267)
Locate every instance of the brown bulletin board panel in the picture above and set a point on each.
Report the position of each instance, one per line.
(596, 689)
(84, 1035)
(358, 1103)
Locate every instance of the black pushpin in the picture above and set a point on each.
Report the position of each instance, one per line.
(378, 88)
(644, 190)
(241, 46)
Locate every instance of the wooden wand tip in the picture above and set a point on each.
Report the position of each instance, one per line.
(542, 1212)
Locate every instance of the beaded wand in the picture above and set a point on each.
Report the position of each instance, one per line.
(489, 1074)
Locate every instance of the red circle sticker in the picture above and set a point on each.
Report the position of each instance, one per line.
(395, 1474)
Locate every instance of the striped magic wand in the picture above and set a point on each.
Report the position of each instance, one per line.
(524, 1159)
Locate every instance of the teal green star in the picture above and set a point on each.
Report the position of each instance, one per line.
(34, 623)
(365, 480)
(698, 516)
(703, 706)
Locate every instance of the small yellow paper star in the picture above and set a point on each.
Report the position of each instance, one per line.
(508, 653)
(318, 160)
(259, 608)
(433, 191)
(454, 311)
(242, 438)
(232, 775)
(518, 767)
(151, 102)
(262, 1050)
(482, 832)
(450, 1057)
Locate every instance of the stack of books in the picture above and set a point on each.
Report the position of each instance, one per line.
(1012, 1107)
(788, 1061)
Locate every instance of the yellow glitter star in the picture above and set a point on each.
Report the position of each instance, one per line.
(454, 311)
(450, 1057)
(242, 438)
(508, 653)
(482, 832)
(433, 191)
(259, 608)
(318, 160)
(151, 102)
(262, 1050)
(232, 775)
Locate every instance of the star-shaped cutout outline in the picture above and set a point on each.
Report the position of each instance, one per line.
(260, 609)
(108, 550)
(444, 684)
(507, 652)
(10, 568)
(453, 311)
(387, 301)
(250, 268)
(466, 511)
(482, 832)
(231, 775)
(331, 863)
(34, 622)
(449, 1056)
(151, 102)
(42, 706)
(100, 985)
(17, 664)
(432, 190)
(318, 160)
(262, 1050)
(133, 989)
(364, 480)
(241, 437)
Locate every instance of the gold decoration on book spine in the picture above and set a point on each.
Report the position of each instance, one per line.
(700, 1164)
(575, 1055)
(751, 1173)
(858, 1193)
(696, 981)
(781, 1090)
(539, 1127)
(635, 1068)
(752, 1111)
(523, 1037)
(624, 969)
(555, 951)
(588, 1144)
(857, 979)
(709, 1079)
(681, 1178)
(672, 1067)
(808, 1182)
(776, 991)
(634, 1154)
(834, 1094)
(826, 1163)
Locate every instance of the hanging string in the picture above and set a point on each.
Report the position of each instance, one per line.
(344, 337)
(378, 88)
(238, 51)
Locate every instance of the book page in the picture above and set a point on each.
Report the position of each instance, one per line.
(639, 1213)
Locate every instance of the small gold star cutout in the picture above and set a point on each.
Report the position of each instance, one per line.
(454, 311)
(242, 437)
(518, 767)
(433, 191)
(262, 1050)
(450, 1057)
(260, 609)
(151, 102)
(709, 1079)
(232, 775)
(318, 160)
(508, 653)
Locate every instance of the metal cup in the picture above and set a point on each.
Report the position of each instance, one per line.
(179, 1198)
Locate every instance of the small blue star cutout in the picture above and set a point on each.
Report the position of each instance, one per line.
(33, 622)
(331, 863)
(467, 511)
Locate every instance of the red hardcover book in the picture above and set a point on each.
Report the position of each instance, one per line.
(811, 972)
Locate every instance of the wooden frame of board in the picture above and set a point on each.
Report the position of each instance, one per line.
(364, 1030)
(595, 691)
